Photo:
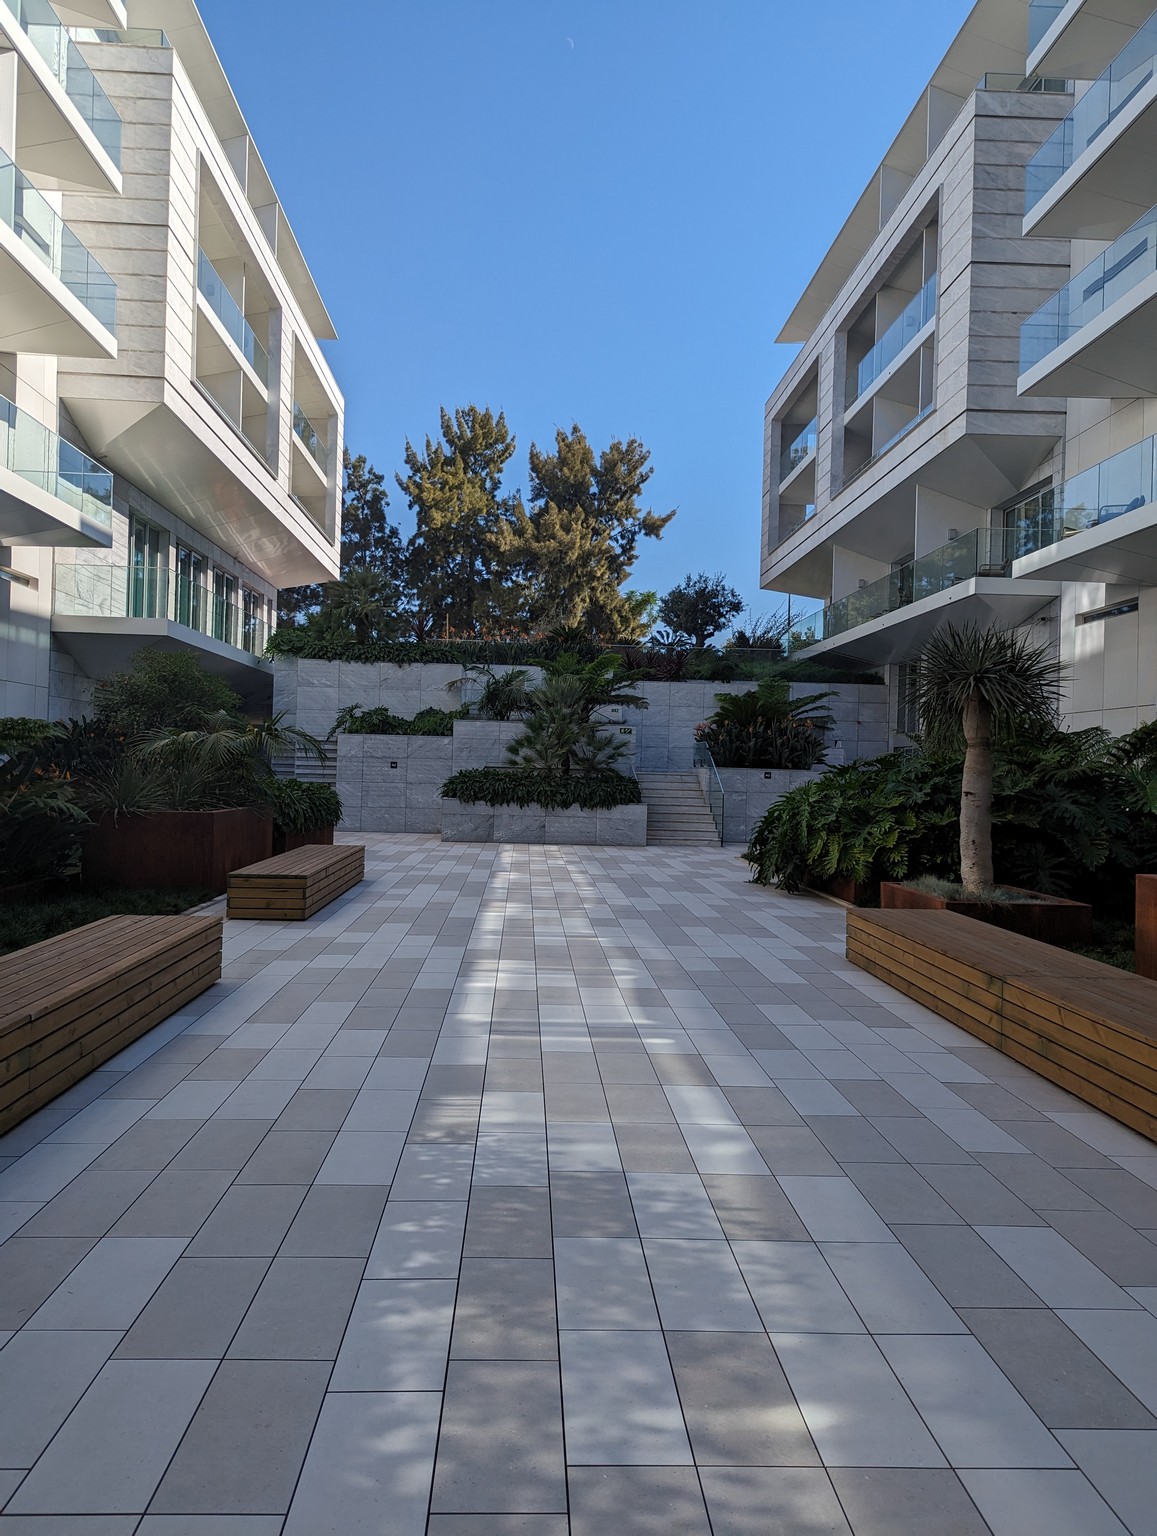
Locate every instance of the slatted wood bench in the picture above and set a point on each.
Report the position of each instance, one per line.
(1088, 1027)
(71, 1002)
(294, 885)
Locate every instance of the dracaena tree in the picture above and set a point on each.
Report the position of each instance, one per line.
(984, 684)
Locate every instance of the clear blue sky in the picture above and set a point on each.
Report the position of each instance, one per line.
(578, 210)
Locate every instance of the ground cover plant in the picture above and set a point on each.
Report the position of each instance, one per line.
(767, 728)
(552, 791)
(28, 922)
(356, 721)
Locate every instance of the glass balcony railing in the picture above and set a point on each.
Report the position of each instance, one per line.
(123, 37)
(1026, 85)
(1041, 15)
(1104, 101)
(45, 233)
(1129, 260)
(314, 443)
(52, 42)
(797, 451)
(900, 334)
(228, 311)
(90, 589)
(982, 552)
(35, 453)
(1095, 497)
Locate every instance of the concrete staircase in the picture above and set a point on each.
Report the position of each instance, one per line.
(677, 813)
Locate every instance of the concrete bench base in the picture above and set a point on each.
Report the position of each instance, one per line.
(294, 885)
(1087, 1027)
(70, 1003)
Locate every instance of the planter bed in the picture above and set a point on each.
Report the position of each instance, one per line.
(193, 849)
(285, 842)
(1088, 1027)
(1051, 919)
(621, 826)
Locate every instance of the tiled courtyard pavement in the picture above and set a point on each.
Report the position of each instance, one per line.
(590, 1191)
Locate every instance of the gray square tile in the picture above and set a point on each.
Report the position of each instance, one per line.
(603, 1283)
(508, 1222)
(591, 1205)
(398, 1338)
(148, 1145)
(964, 1269)
(699, 1286)
(750, 1501)
(621, 1405)
(490, 1461)
(244, 1449)
(300, 1311)
(653, 1148)
(90, 1205)
(433, 1173)
(316, 1109)
(109, 1287)
(1122, 1467)
(753, 1207)
(195, 1311)
(1041, 1503)
(636, 1501)
(895, 1502)
(792, 1149)
(362, 1157)
(833, 1210)
(794, 1289)
(250, 1221)
(175, 1204)
(889, 1289)
(287, 1157)
(1054, 1269)
(221, 1144)
(336, 1221)
(738, 1406)
(31, 1269)
(43, 1375)
(672, 1205)
(505, 1310)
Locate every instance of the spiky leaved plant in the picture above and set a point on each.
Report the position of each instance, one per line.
(986, 683)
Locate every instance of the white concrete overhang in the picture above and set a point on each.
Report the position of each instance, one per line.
(1111, 184)
(1123, 549)
(54, 143)
(31, 515)
(181, 22)
(38, 313)
(101, 646)
(188, 456)
(902, 635)
(1113, 357)
(1086, 37)
(92, 13)
(992, 40)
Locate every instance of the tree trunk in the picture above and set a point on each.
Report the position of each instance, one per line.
(976, 798)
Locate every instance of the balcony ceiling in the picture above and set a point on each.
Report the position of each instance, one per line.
(1114, 357)
(900, 636)
(54, 144)
(1087, 36)
(101, 646)
(38, 313)
(91, 13)
(1123, 550)
(1111, 185)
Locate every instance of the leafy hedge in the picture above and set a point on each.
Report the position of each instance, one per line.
(356, 721)
(300, 807)
(554, 792)
(1068, 819)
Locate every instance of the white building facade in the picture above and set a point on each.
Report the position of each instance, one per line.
(171, 434)
(968, 430)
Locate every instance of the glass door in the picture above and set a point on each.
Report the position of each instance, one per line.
(190, 588)
(147, 571)
(224, 607)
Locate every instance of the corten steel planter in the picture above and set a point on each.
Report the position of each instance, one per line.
(284, 842)
(1145, 955)
(1051, 919)
(175, 850)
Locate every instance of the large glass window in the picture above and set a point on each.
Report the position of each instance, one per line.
(225, 607)
(191, 594)
(148, 571)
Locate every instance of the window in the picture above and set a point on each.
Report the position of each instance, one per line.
(148, 571)
(191, 594)
(252, 623)
(907, 715)
(224, 607)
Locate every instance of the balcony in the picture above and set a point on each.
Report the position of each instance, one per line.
(1080, 38)
(908, 327)
(68, 133)
(891, 619)
(102, 614)
(1097, 173)
(50, 492)
(58, 299)
(1099, 525)
(233, 322)
(311, 440)
(1097, 337)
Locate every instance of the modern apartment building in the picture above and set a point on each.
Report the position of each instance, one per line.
(170, 432)
(968, 430)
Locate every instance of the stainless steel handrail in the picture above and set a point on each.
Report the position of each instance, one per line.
(716, 794)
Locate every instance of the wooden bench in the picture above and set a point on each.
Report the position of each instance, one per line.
(293, 886)
(70, 1003)
(1088, 1027)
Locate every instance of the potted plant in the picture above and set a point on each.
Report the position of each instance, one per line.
(987, 684)
(302, 813)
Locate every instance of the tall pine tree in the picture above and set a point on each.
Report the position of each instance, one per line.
(454, 488)
(569, 554)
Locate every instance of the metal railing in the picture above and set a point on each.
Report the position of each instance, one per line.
(1026, 85)
(1127, 262)
(798, 450)
(916, 314)
(37, 454)
(89, 589)
(1126, 482)
(123, 37)
(52, 42)
(1102, 103)
(711, 785)
(41, 229)
(229, 312)
(909, 426)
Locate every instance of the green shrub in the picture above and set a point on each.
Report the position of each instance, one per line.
(41, 818)
(28, 922)
(767, 728)
(162, 690)
(356, 721)
(553, 791)
(300, 807)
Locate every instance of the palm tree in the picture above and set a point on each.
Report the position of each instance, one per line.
(986, 683)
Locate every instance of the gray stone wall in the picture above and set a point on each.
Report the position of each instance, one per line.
(749, 792)
(624, 826)
(392, 783)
